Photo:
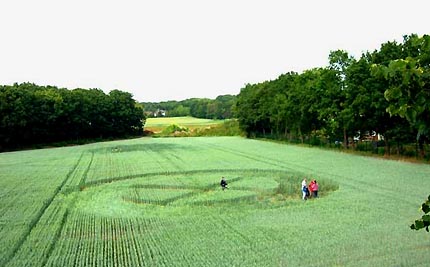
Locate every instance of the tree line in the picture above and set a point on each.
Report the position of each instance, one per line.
(218, 108)
(31, 114)
(384, 93)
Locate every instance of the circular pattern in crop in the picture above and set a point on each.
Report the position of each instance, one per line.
(203, 188)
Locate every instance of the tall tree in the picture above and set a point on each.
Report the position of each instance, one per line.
(408, 90)
(339, 61)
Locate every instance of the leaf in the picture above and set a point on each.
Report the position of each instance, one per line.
(425, 208)
(411, 114)
(419, 224)
(393, 93)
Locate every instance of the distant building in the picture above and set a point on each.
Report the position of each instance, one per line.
(160, 113)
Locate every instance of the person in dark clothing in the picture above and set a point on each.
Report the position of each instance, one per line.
(223, 183)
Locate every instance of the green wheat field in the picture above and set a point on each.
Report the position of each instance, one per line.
(157, 202)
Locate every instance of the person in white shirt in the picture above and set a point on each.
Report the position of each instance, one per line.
(304, 189)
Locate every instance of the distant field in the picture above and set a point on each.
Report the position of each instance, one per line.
(157, 202)
(158, 124)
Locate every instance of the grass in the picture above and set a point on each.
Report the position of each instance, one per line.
(157, 125)
(191, 127)
(157, 202)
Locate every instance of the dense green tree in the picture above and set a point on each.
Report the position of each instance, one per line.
(246, 111)
(15, 114)
(306, 99)
(383, 93)
(32, 114)
(408, 85)
(339, 61)
(180, 111)
(329, 100)
(126, 117)
(283, 116)
(222, 107)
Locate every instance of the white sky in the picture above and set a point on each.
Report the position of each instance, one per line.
(173, 50)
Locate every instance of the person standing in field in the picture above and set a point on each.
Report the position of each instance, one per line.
(304, 189)
(311, 188)
(314, 188)
(223, 183)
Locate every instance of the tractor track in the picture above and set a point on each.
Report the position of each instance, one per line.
(39, 215)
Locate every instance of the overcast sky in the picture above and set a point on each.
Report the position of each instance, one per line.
(178, 49)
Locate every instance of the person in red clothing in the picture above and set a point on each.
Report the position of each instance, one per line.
(314, 188)
(311, 188)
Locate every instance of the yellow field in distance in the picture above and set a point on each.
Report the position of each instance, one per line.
(158, 124)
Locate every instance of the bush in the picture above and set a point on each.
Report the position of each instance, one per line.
(315, 141)
(362, 146)
(174, 129)
(228, 128)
